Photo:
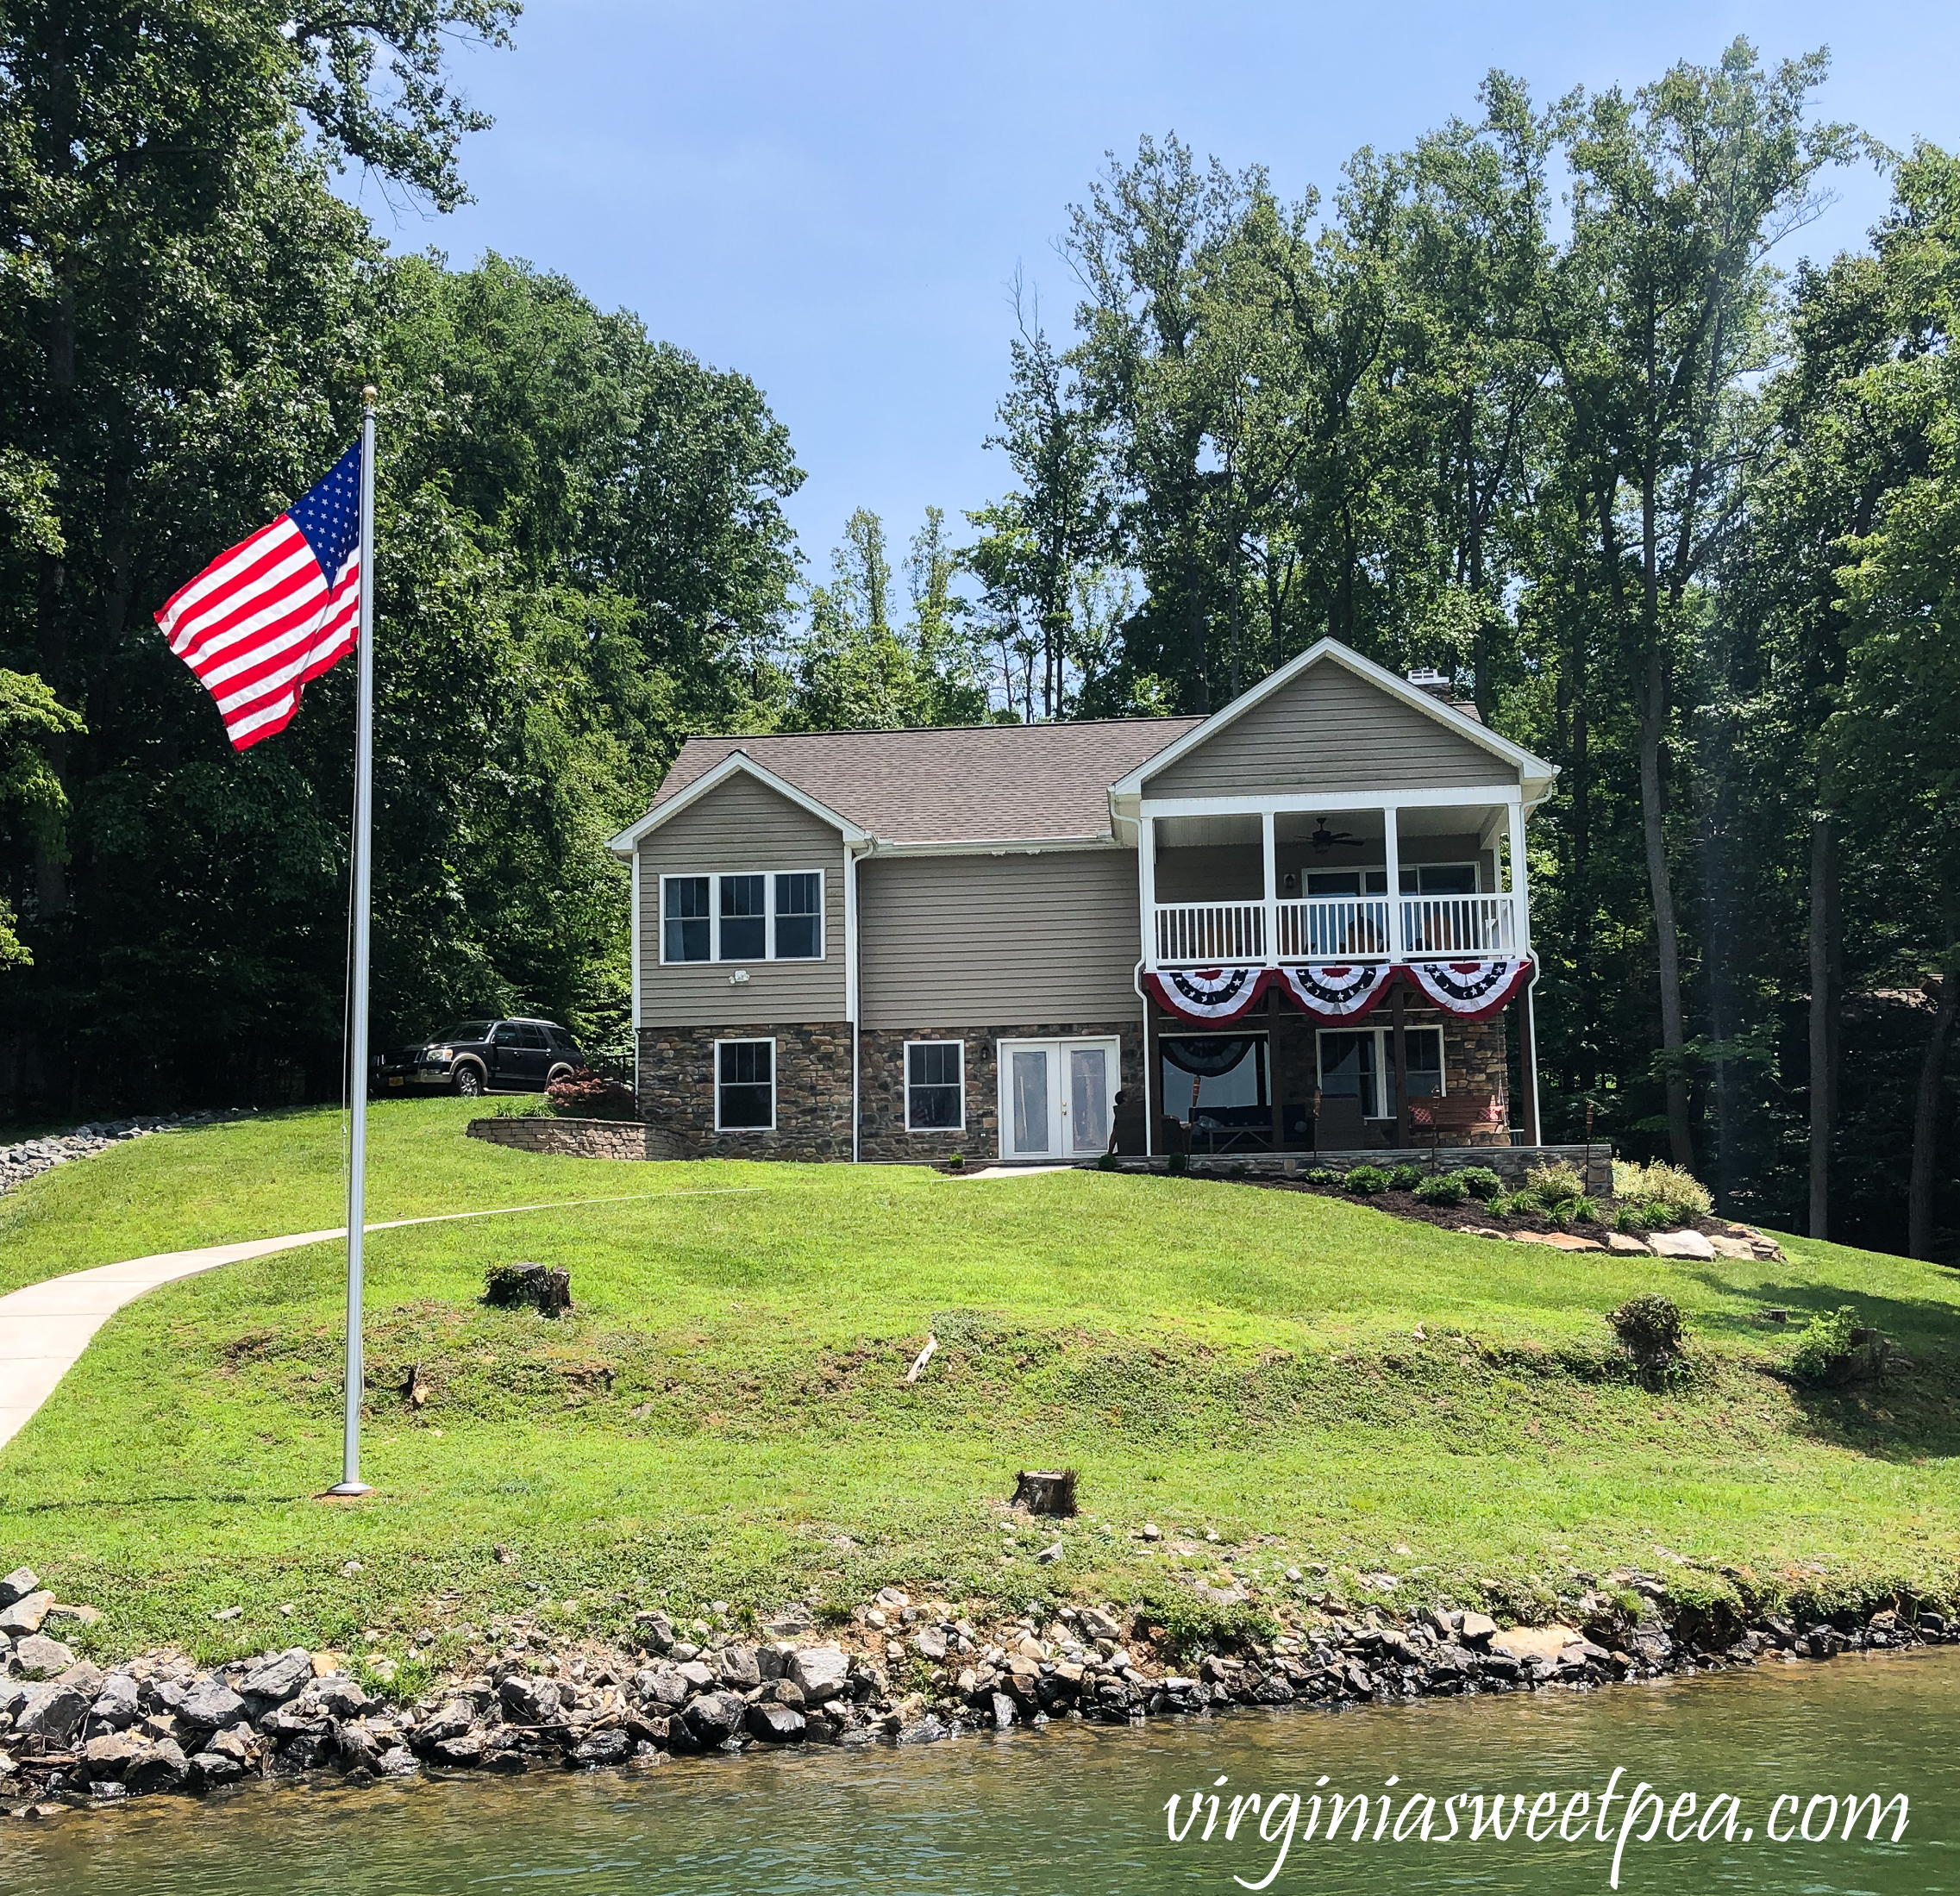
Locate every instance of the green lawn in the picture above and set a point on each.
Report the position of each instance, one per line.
(723, 1415)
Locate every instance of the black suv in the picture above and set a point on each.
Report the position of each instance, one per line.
(480, 1056)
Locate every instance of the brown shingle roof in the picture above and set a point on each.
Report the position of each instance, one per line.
(978, 783)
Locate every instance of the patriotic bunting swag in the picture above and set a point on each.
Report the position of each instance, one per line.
(1336, 990)
(1213, 993)
(1470, 989)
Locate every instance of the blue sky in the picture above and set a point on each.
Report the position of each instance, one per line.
(834, 198)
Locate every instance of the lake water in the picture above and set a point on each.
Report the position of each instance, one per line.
(1080, 1809)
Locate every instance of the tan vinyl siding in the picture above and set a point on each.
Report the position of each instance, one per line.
(1330, 730)
(740, 828)
(975, 940)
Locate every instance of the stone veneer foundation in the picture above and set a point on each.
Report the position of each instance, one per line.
(882, 1083)
(813, 1091)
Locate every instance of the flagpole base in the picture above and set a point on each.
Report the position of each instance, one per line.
(350, 1487)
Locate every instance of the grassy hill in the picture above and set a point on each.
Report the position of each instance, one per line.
(722, 1415)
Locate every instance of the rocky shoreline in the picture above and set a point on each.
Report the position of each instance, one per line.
(29, 1158)
(73, 1734)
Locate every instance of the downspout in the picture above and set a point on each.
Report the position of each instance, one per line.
(851, 1006)
(1150, 1118)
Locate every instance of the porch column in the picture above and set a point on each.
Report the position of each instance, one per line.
(1272, 943)
(1520, 893)
(1528, 1065)
(1399, 1040)
(1147, 886)
(1398, 946)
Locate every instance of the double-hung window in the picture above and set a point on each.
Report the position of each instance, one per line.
(745, 1085)
(935, 1088)
(749, 918)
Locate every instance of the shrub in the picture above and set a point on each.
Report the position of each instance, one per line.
(1650, 1330)
(1445, 1188)
(1480, 1182)
(1323, 1174)
(1636, 1220)
(956, 1161)
(1406, 1177)
(1107, 1162)
(1524, 1200)
(1366, 1180)
(1551, 1183)
(587, 1095)
(1178, 1161)
(1676, 1197)
(1836, 1349)
(1193, 1626)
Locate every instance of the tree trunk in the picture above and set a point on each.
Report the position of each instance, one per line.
(1660, 883)
(1925, 1117)
(1823, 1014)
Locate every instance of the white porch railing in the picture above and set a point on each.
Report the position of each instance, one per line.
(1210, 934)
(1334, 928)
(1459, 925)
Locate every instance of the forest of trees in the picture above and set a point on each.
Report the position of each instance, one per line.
(1545, 402)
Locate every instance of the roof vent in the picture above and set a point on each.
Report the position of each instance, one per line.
(1437, 683)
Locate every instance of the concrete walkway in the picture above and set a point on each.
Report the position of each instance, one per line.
(45, 1327)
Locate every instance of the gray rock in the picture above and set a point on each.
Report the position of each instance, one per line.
(927, 1730)
(53, 1713)
(1097, 1625)
(75, 1615)
(714, 1717)
(821, 1672)
(210, 1706)
(699, 1676)
(26, 1614)
(455, 1718)
(280, 1679)
(610, 1746)
(398, 1762)
(1048, 1556)
(654, 1631)
(159, 1767)
(739, 1667)
(928, 1642)
(116, 1705)
(18, 1585)
(776, 1723)
(662, 1685)
(41, 1657)
(216, 1767)
(1477, 1630)
(338, 1694)
(529, 1700)
(1004, 1712)
(109, 1756)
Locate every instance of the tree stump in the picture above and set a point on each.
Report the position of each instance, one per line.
(546, 1288)
(1046, 1492)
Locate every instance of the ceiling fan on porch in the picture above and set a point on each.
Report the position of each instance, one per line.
(1325, 839)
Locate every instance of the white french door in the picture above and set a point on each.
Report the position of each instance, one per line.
(1057, 1098)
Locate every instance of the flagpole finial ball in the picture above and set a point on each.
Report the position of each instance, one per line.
(370, 395)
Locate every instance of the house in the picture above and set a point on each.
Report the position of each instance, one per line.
(1302, 923)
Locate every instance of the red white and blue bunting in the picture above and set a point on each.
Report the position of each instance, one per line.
(1337, 990)
(1470, 989)
(1211, 994)
(1340, 990)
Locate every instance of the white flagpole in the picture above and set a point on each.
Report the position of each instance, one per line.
(350, 1481)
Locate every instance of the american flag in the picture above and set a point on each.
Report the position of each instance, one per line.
(263, 621)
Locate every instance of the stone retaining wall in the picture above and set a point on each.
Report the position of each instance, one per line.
(578, 1138)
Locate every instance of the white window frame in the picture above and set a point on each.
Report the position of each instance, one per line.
(961, 1126)
(1363, 871)
(713, 878)
(744, 1040)
(1384, 1060)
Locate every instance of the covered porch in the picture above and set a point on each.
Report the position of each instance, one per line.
(1266, 881)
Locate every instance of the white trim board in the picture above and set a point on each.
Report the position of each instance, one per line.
(736, 761)
(1533, 769)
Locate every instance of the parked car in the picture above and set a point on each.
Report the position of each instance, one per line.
(480, 1056)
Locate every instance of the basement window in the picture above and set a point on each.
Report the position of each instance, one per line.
(934, 1088)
